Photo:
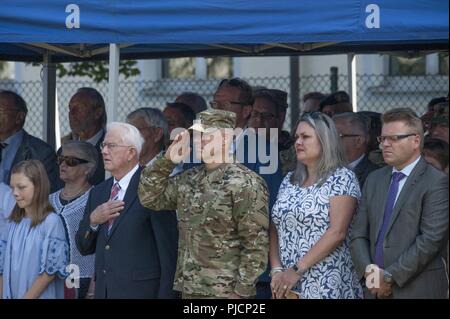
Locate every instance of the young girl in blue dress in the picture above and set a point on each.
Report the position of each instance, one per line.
(33, 251)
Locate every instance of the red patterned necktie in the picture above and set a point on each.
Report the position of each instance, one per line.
(114, 196)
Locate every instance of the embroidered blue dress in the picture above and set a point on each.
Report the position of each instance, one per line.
(27, 252)
(72, 213)
(301, 217)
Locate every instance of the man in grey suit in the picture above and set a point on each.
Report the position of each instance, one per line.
(398, 235)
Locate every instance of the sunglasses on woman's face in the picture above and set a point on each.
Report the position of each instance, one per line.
(71, 161)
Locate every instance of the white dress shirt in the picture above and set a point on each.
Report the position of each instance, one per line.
(407, 171)
(124, 182)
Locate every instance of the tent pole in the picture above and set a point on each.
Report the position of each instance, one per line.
(294, 74)
(352, 86)
(113, 82)
(49, 99)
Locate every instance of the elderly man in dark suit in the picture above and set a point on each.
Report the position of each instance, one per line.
(400, 231)
(135, 249)
(354, 133)
(16, 144)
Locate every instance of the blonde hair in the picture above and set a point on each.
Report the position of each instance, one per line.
(408, 117)
(35, 172)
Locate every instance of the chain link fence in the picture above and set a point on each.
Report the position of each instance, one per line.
(375, 92)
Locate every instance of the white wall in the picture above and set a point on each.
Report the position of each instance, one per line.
(264, 67)
(26, 72)
(312, 65)
(371, 64)
(150, 69)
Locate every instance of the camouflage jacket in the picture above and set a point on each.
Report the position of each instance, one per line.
(223, 225)
(288, 158)
(286, 149)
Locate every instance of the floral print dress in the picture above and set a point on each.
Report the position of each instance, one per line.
(301, 216)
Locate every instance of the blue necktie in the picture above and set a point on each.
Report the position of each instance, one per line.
(392, 194)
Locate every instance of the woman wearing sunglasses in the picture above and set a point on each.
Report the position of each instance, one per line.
(77, 163)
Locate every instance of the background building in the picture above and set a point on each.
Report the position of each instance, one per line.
(382, 82)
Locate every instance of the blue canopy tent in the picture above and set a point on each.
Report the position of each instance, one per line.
(152, 29)
(61, 31)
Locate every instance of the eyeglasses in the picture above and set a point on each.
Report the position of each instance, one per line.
(222, 105)
(111, 146)
(71, 161)
(348, 135)
(393, 138)
(263, 115)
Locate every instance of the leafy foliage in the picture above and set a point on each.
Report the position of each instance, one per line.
(97, 70)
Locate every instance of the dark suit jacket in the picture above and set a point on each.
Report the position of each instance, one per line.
(363, 169)
(35, 148)
(99, 174)
(138, 258)
(417, 233)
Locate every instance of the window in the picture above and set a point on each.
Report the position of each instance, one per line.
(201, 68)
(179, 68)
(413, 64)
(407, 65)
(220, 67)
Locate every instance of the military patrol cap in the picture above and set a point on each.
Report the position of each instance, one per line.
(440, 114)
(210, 120)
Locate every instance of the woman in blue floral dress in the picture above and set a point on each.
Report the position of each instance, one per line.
(309, 253)
(33, 252)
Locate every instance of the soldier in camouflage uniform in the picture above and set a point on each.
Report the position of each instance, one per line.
(222, 213)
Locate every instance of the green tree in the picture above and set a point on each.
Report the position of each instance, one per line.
(96, 70)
